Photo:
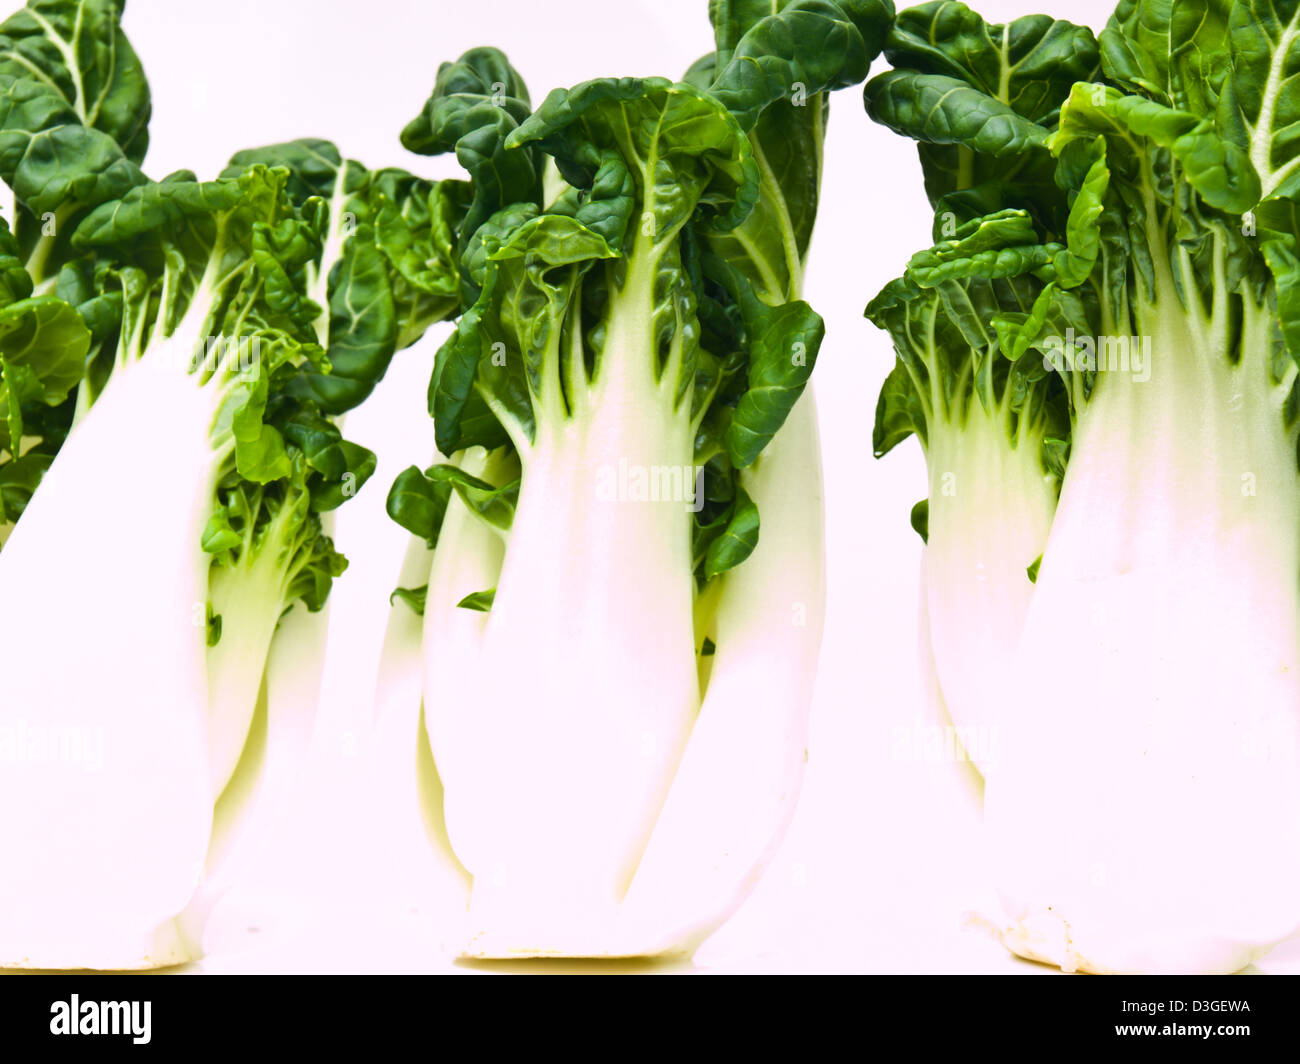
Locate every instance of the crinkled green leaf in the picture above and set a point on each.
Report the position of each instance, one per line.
(782, 343)
(501, 342)
(77, 50)
(1174, 51)
(1027, 64)
(1220, 171)
(804, 48)
(602, 134)
(476, 104)
(1262, 101)
(938, 109)
(362, 328)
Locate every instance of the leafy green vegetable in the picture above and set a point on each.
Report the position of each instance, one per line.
(1157, 274)
(621, 406)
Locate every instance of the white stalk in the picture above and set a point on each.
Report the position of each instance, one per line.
(102, 850)
(1144, 814)
(413, 854)
(250, 599)
(735, 792)
(990, 510)
(318, 275)
(467, 559)
(584, 687)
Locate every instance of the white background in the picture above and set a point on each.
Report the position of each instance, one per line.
(881, 862)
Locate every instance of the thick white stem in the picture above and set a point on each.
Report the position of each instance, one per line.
(584, 688)
(715, 838)
(1144, 813)
(105, 810)
(249, 599)
(467, 560)
(990, 511)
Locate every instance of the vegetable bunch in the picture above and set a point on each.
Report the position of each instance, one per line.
(626, 590)
(1109, 309)
(176, 355)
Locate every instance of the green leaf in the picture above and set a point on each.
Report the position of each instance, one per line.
(151, 208)
(981, 99)
(476, 104)
(1263, 95)
(362, 328)
(1278, 222)
(900, 412)
(930, 270)
(1174, 51)
(69, 168)
(603, 134)
(496, 506)
(991, 232)
(279, 253)
(1018, 333)
(418, 503)
(480, 601)
(774, 69)
(920, 520)
(315, 167)
(1027, 64)
(503, 340)
(48, 336)
(782, 343)
(1032, 571)
(1083, 231)
(737, 540)
(414, 597)
(338, 468)
(77, 50)
(19, 479)
(260, 454)
(27, 107)
(414, 231)
(43, 345)
(806, 47)
(1219, 170)
(85, 283)
(938, 109)
(219, 534)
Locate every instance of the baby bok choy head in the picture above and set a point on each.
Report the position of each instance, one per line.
(1170, 572)
(209, 329)
(228, 321)
(613, 402)
(981, 100)
(991, 431)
